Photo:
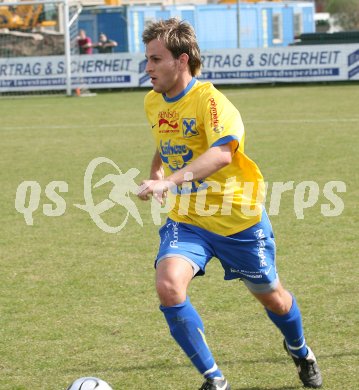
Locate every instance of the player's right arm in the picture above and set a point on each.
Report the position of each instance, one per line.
(157, 172)
(211, 161)
(156, 185)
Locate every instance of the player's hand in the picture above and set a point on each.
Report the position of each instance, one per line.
(157, 188)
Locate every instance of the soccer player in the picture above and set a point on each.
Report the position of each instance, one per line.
(217, 196)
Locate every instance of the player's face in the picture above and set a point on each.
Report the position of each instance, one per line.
(166, 72)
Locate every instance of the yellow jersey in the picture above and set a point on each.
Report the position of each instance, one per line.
(184, 127)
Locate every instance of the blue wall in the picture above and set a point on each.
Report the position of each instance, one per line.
(288, 26)
(137, 16)
(249, 31)
(216, 25)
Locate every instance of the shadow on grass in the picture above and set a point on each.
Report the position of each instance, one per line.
(268, 388)
(169, 365)
(278, 360)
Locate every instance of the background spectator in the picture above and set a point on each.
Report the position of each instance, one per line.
(105, 45)
(84, 42)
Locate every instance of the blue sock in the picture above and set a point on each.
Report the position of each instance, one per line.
(291, 327)
(187, 329)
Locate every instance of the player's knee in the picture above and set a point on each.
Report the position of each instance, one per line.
(278, 307)
(169, 293)
(278, 301)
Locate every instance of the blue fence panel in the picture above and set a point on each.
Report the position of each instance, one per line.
(249, 27)
(138, 15)
(308, 20)
(288, 25)
(266, 23)
(114, 25)
(88, 22)
(217, 27)
(189, 16)
(161, 14)
(136, 22)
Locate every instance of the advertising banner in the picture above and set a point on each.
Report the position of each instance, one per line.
(48, 73)
(231, 66)
(285, 64)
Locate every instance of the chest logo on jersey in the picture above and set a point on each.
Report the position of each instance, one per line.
(189, 127)
(168, 127)
(168, 122)
(176, 156)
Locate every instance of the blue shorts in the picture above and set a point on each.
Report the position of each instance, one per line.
(248, 255)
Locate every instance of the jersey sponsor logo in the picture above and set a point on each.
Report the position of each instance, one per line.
(169, 115)
(167, 149)
(166, 122)
(169, 126)
(176, 156)
(214, 114)
(189, 127)
(214, 117)
(218, 129)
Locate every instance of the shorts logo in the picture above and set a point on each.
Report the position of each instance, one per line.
(261, 246)
(268, 270)
(259, 234)
(247, 274)
(189, 127)
(175, 234)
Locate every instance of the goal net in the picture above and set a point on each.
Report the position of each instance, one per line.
(39, 48)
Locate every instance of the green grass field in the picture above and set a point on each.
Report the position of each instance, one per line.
(75, 301)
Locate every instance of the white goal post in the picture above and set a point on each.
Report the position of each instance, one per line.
(39, 50)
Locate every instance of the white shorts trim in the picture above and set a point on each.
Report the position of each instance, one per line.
(195, 267)
(261, 288)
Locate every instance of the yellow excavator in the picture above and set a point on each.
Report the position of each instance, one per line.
(23, 17)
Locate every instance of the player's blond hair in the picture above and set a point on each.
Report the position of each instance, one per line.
(179, 37)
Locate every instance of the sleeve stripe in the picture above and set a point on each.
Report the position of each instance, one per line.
(225, 140)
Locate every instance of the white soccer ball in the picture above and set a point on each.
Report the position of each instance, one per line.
(89, 383)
